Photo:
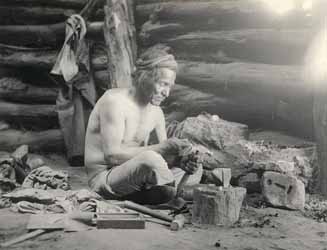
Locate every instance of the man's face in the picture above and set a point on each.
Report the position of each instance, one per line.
(159, 90)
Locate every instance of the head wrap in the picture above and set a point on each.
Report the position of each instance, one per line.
(156, 57)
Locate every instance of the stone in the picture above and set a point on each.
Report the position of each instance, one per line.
(284, 191)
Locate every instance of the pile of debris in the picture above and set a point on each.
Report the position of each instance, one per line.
(281, 174)
(316, 208)
(18, 171)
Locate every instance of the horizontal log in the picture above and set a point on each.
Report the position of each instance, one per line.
(270, 46)
(9, 109)
(227, 79)
(278, 91)
(220, 15)
(10, 15)
(258, 95)
(54, 3)
(42, 59)
(13, 89)
(185, 101)
(44, 141)
(43, 35)
(29, 116)
(163, 1)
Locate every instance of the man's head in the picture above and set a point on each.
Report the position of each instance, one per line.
(155, 74)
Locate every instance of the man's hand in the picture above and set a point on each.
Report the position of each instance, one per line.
(175, 146)
(191, 160)
(190, 167)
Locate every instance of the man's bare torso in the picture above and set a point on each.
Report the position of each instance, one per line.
(138, 124)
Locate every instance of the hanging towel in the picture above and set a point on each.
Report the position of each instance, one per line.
(66, 63)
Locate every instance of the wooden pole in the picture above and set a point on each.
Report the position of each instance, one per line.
(317, 77)
(117, 34)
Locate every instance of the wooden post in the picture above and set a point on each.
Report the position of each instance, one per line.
(216, 205)
(317, 77)
(119, 42)
(320, 133)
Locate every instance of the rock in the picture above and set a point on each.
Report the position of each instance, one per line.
(35, 162)
(210, 131)
(227, 141)
(283, 191)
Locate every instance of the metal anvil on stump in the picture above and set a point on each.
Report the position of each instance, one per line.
(217, 205)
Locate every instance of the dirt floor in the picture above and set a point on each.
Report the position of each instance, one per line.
(259, 229)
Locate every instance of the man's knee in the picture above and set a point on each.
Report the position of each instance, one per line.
(155, 168)
(153, 160)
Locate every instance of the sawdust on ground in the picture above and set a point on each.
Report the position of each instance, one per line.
(259, 229)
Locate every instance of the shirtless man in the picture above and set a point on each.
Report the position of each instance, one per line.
(119, 161)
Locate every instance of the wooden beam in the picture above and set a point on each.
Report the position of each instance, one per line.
(256, 88)
(29, 116)
(43, 35)
(42, 59)
(270, 46)
(250, 109)
(220, 15)
(13, 89)
(53, 3)
(43, 141)
(18, 15)
(119, 40)
(9, 109)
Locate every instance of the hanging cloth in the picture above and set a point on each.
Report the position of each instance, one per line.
(77, 94)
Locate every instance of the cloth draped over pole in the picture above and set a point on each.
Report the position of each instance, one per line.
(77, 94)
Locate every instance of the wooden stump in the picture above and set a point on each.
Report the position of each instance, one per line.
(217, 206)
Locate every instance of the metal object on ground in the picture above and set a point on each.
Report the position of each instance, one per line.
(224, 175)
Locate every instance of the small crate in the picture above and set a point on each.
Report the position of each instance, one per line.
(120, 221)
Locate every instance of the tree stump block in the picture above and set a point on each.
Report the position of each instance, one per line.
(216, 205)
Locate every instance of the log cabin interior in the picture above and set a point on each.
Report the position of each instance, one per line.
(249, 87)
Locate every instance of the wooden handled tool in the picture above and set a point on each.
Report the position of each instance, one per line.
(23, 237)
(145, 210)
(178, 222)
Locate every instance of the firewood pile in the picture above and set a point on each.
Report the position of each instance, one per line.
(238, 59)
(32, 33)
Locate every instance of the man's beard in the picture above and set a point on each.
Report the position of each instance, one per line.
(156, 101)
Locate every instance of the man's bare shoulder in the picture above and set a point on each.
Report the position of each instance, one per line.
(114, 97)
(157, 110)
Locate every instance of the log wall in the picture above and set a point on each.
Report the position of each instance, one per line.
(246, 59)
(33, 32)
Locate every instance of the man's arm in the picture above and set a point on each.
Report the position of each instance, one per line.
(112, 124)
(160, 127)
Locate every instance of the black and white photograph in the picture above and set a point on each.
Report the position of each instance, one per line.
(163, 124)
